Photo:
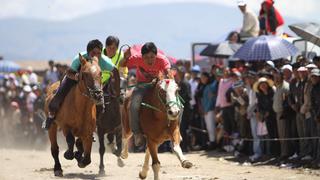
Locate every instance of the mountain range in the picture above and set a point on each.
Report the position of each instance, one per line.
(173, 27)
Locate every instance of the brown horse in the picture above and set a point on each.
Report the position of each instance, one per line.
(159, 121)
(109, 122)
(77, 115)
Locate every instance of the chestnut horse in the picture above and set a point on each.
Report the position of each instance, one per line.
(77, 115)
(159, 121)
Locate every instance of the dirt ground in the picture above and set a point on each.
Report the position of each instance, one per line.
(37, 165)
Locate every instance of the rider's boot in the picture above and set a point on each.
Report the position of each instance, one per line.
(56, 102)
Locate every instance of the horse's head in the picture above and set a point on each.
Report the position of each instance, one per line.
(90, 76)
(168, 94)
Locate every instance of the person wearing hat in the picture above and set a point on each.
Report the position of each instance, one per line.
(281, 109)
(185, 93)
(265, 91)
(315, 112)
(33, 77)
(30, 99)
(250, 25)
(287, 72)
(303, 116)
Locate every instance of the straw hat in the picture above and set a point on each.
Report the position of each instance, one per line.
(261, 80)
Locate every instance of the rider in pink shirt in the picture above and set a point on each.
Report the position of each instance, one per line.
(148, 66)
(147, 72)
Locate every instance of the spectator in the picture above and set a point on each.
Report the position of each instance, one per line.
(303, 116)
(233, 37)
(315, 104)
(30, 99)
(250, 79)
(271, 22)
(51, 75)
(238, 96)
(33, 77)
(222, 104)
(316, 61)
(250, 26)
(287, 72)
(292, 115)
(194, 81)
(265, 92)
(208, 101)
(279, 107)
(185, 93)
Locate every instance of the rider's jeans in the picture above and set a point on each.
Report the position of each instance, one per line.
(136, 100)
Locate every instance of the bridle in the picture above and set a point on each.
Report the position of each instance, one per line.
(89, 92)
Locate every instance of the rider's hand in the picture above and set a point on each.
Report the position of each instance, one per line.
(127, 54)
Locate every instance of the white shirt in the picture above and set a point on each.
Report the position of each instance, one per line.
(51, 76)
(33, 78)
(31, 98)
(193, 85)
(252, 102)
(250, 23)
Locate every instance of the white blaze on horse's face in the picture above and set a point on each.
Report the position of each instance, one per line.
(171, 88)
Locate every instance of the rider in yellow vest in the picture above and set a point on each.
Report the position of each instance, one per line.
(111, 50)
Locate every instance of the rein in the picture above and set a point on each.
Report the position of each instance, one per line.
(179, 102)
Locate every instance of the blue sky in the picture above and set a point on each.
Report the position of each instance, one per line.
(63, 10)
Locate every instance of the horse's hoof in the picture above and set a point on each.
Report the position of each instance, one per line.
(69, 155)
(84, 163)
(124, 155)
(102, 172)
(58, 173)
(78, 156)
(120, 162)
(81, 165)
(187, 164)
(142, 176)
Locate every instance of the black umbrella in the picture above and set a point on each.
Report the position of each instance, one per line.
(307, 31)
(221, 50)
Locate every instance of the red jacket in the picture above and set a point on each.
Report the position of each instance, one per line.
(274, 18)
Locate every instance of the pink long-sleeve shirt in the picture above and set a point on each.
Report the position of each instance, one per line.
(224, 85)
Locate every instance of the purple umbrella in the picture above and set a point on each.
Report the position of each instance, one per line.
(264, 48)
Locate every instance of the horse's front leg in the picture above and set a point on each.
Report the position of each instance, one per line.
(145, 168)
(125, 148)
(101, 151)
(79, 152)
(176, 139)
(153, 149)
(55, 150)
(118, 134)
(69, 154)
(87, 144)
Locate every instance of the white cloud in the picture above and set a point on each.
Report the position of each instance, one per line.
(68, 9)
